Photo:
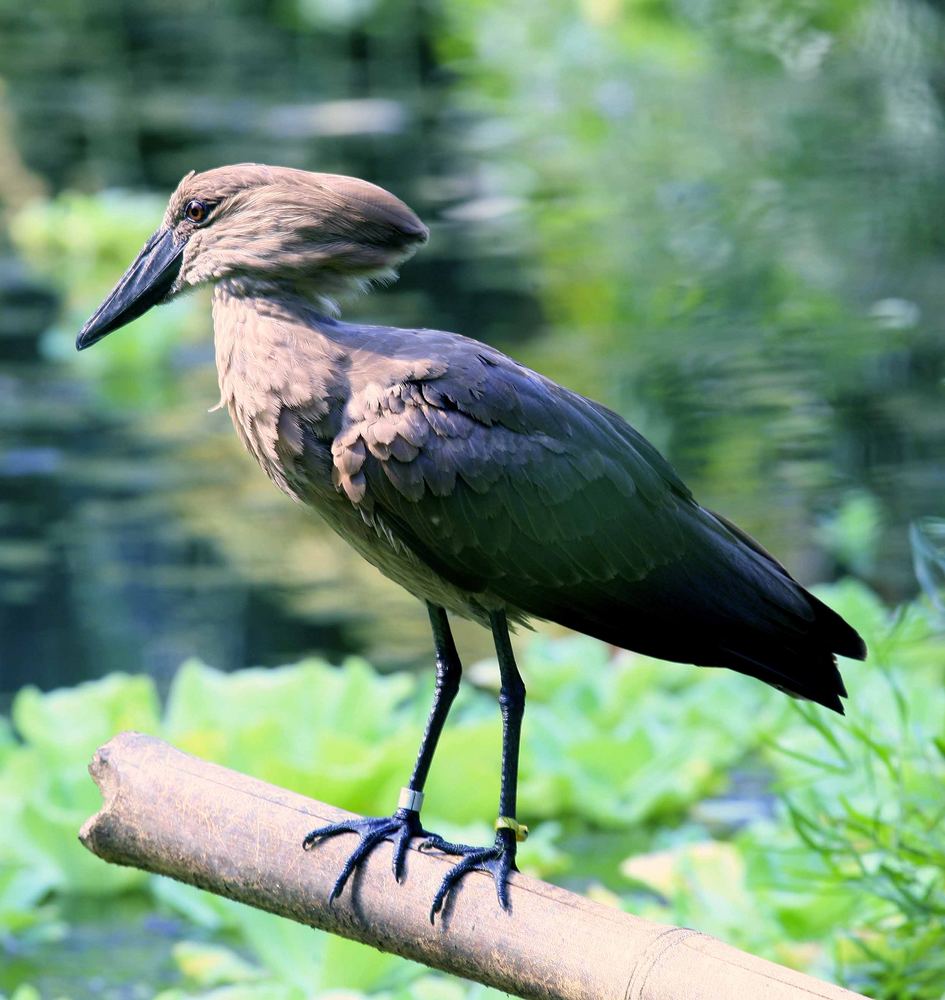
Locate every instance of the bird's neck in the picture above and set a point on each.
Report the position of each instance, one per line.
(273, 351)
(316, 292)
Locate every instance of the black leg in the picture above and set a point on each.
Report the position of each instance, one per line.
(449, 671)
(499, 859)
(512, 706)
(404, 825)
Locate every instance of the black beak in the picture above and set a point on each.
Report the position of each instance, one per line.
(143, 285)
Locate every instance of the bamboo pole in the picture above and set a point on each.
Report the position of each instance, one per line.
(170, 813)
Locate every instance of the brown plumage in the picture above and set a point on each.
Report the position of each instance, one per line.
(482, 487)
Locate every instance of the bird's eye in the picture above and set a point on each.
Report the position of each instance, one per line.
(196, 211)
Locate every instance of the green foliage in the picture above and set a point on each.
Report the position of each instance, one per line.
(851, 533)
(45, 794)
(618, 767)
(85, 240)
(866, 801)
(340, 734)
(928, 555)
(840, 874)
(849, 876)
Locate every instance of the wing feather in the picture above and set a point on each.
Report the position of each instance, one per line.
(509, 485)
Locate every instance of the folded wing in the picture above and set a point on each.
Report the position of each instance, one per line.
(507, 484)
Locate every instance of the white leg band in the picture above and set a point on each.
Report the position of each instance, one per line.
(410, 799)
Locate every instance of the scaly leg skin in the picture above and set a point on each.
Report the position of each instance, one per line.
(404, 825)
(498, 860)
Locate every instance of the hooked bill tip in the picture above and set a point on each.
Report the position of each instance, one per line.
(83, 340)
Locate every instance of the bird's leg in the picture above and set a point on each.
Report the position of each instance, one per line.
(499, 859)
(404, 824)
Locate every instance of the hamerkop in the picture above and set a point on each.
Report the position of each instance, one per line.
(484, 488)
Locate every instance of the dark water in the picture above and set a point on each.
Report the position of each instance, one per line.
(728, 228)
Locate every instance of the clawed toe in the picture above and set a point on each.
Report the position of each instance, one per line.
(400, 829)
(498, 860)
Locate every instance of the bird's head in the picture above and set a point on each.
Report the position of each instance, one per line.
(262, 229)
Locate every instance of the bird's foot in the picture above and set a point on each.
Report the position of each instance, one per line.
(400, 829)
(497, 861)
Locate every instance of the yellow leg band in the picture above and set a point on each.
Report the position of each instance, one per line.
(507, 823)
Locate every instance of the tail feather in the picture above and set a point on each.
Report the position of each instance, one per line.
(813, 677)
(801, 661)
(797, 655)
(839, 633)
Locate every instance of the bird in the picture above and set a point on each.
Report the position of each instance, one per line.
(487, 490)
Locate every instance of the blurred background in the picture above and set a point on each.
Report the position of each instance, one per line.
(722, 218)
